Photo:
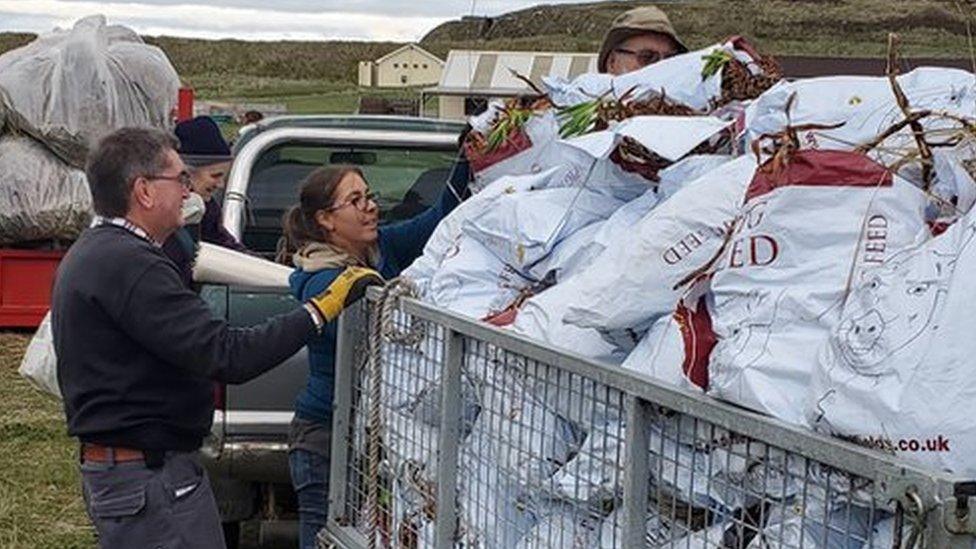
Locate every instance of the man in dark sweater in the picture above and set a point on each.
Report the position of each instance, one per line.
(138, 351)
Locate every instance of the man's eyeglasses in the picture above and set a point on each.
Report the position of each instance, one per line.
(183, 178)
(645, 57)
(359, 201)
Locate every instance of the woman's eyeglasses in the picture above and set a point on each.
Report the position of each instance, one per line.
(359, 201)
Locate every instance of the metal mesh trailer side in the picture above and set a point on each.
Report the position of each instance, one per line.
(452, 433)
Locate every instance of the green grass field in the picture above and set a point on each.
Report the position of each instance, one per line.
(40, 491)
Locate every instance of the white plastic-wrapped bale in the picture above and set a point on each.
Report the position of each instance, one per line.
(41, 198)
(69, 88)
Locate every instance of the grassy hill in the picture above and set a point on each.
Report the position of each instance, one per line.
(321, 76)
(852, 28)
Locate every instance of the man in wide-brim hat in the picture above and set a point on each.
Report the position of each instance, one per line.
(637, 38)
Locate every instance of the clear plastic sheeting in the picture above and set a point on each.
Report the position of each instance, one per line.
(69, 88)
(41, 198)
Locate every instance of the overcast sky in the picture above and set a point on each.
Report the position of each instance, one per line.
(396, 20)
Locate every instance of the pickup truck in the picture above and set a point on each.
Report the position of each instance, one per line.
(406, 161)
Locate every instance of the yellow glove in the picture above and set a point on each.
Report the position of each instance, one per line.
(346, 289)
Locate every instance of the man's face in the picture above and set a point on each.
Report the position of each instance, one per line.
(209, 178)
(165, 195)
(638, 52)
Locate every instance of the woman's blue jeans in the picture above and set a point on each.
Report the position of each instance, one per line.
(310, 478)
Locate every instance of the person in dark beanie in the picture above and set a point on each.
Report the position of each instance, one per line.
(137, 351)
(637, 38)
(204, 150)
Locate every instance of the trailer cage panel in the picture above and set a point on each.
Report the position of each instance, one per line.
(534, 447)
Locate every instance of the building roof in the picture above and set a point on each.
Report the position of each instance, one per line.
(490, 72)
(408, 47)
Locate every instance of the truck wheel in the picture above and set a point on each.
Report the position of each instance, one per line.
(232, 534)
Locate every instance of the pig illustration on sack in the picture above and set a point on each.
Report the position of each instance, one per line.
(892, 309)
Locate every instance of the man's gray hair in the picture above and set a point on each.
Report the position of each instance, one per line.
(119, 159)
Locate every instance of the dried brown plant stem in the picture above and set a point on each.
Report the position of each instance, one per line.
(925, 153)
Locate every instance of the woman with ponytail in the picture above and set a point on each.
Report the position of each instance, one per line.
(336, 225)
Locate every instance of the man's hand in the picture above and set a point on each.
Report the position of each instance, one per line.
(346, 289)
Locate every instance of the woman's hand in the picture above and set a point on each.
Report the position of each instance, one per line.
(346, 289)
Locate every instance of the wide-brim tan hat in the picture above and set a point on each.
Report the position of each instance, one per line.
(637, 21)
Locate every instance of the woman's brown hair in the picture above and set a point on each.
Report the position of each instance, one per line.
(317, 193)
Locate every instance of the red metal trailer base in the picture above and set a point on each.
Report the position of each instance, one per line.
(26, 277)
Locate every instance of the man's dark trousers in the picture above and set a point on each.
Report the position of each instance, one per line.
(168, 507)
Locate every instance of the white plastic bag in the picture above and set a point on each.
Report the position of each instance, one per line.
(679, 78)
(660, 354)
(541, 318)
(40, 363)
(444, 239)
(533, 149)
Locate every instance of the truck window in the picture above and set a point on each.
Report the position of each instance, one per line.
(406, 182)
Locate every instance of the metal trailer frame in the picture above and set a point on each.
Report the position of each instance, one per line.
(937, 502)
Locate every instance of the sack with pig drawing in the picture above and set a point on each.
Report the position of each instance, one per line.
(897, 370)
(811, 221)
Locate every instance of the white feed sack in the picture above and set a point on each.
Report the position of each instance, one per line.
(515, 445)
(669, 137)
(522, 229)
(659, 531)
(817, 524)
(864, 105)
(660, 354)
(469, 279)
(473, 281)
(535, 148)
(634, 280)
(71, 87)
(562, 527)
(541, 317)
(804, 232)
(679, 78)
(897, 371)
